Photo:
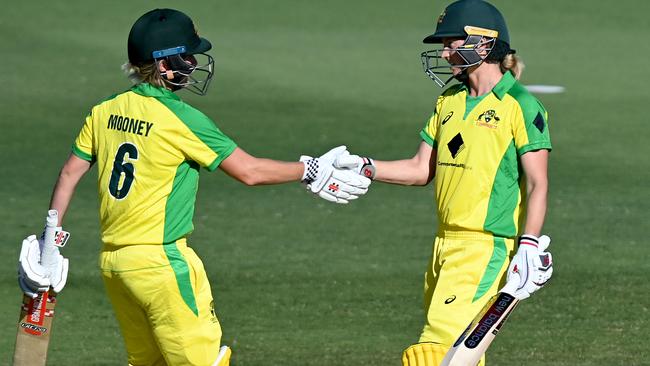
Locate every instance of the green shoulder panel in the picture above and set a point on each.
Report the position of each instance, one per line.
(202, 127)
(535, 119)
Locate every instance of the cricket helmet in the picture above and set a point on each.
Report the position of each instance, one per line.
(481, 24)
(170, 35)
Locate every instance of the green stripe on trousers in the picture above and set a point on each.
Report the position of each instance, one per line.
(492, 270)
(182, 272)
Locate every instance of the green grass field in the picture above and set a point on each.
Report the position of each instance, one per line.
(298, 281)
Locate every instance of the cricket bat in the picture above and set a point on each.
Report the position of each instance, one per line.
(36, 315)
(474, 341)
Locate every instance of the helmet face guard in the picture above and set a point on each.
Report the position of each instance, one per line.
(186, 70)
(462, 57)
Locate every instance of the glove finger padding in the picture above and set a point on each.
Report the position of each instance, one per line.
(347, 161)
(329, 197)
(358, 183)
(31, 273)
(29, 262)
(329, 157)
(330, 183)
(59, 277)
(336, 187)
(543, 243)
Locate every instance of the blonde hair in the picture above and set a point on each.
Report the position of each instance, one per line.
(145, 73)
(514, 64)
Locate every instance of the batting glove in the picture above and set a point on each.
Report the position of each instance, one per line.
(32, 277)
(360, 165)
(530, 268)
(56, 265)
(329, 183)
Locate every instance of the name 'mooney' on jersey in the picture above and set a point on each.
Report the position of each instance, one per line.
(149, 146)
(479, 140)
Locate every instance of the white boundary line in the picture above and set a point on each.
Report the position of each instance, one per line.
(545, 89)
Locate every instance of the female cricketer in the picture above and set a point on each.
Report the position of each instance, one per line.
(487, 144)
(148, 146)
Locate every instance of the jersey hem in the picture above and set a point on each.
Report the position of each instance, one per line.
(534, 146)
(80, 154)
(427, 138)
(221, 157)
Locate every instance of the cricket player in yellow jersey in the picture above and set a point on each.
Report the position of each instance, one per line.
(487, 145)
(148, 146)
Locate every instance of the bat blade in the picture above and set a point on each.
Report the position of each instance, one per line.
(34, 329)
(479, 334)
(36, 315)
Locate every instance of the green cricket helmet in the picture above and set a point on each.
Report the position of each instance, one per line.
(480, 24)
(170, 35)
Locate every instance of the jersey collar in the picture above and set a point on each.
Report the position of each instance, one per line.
(505, 84)
(502, 87)
(148, 90)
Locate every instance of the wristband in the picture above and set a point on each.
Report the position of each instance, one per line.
(311, 169)
(368, 168)
(528, 240)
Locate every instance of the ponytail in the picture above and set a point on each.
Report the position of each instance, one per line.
(145, 73)
(513, 64)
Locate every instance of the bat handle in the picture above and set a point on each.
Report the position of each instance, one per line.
(49, 251)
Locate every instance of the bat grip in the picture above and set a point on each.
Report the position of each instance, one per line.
(49, 252)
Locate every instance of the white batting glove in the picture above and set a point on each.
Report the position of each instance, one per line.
(343, 186)
(56, 265)
(329, 183)
(530, 268)
(32, 277)
(361, 165)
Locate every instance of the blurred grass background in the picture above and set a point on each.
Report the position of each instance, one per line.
(298, 281)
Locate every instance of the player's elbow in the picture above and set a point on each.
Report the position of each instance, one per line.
(421, 181)
(250, 175)
(74, 168)
(243, 167)
(250, 179)
(422, 172)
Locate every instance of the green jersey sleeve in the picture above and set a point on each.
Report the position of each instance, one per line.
(83, 146)
(200, 141)
(530, 130)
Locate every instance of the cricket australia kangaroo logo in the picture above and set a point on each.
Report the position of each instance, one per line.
(488, 119)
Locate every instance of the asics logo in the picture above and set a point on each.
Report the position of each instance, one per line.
(450, 300)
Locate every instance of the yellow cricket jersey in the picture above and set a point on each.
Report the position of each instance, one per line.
(479, 182)
(149, 145)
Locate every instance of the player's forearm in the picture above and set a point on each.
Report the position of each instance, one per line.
(408, 172)
(254, 171)
(69, 177)
(536, 211)
(416, 171)
(267, 171)
(535, 166)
